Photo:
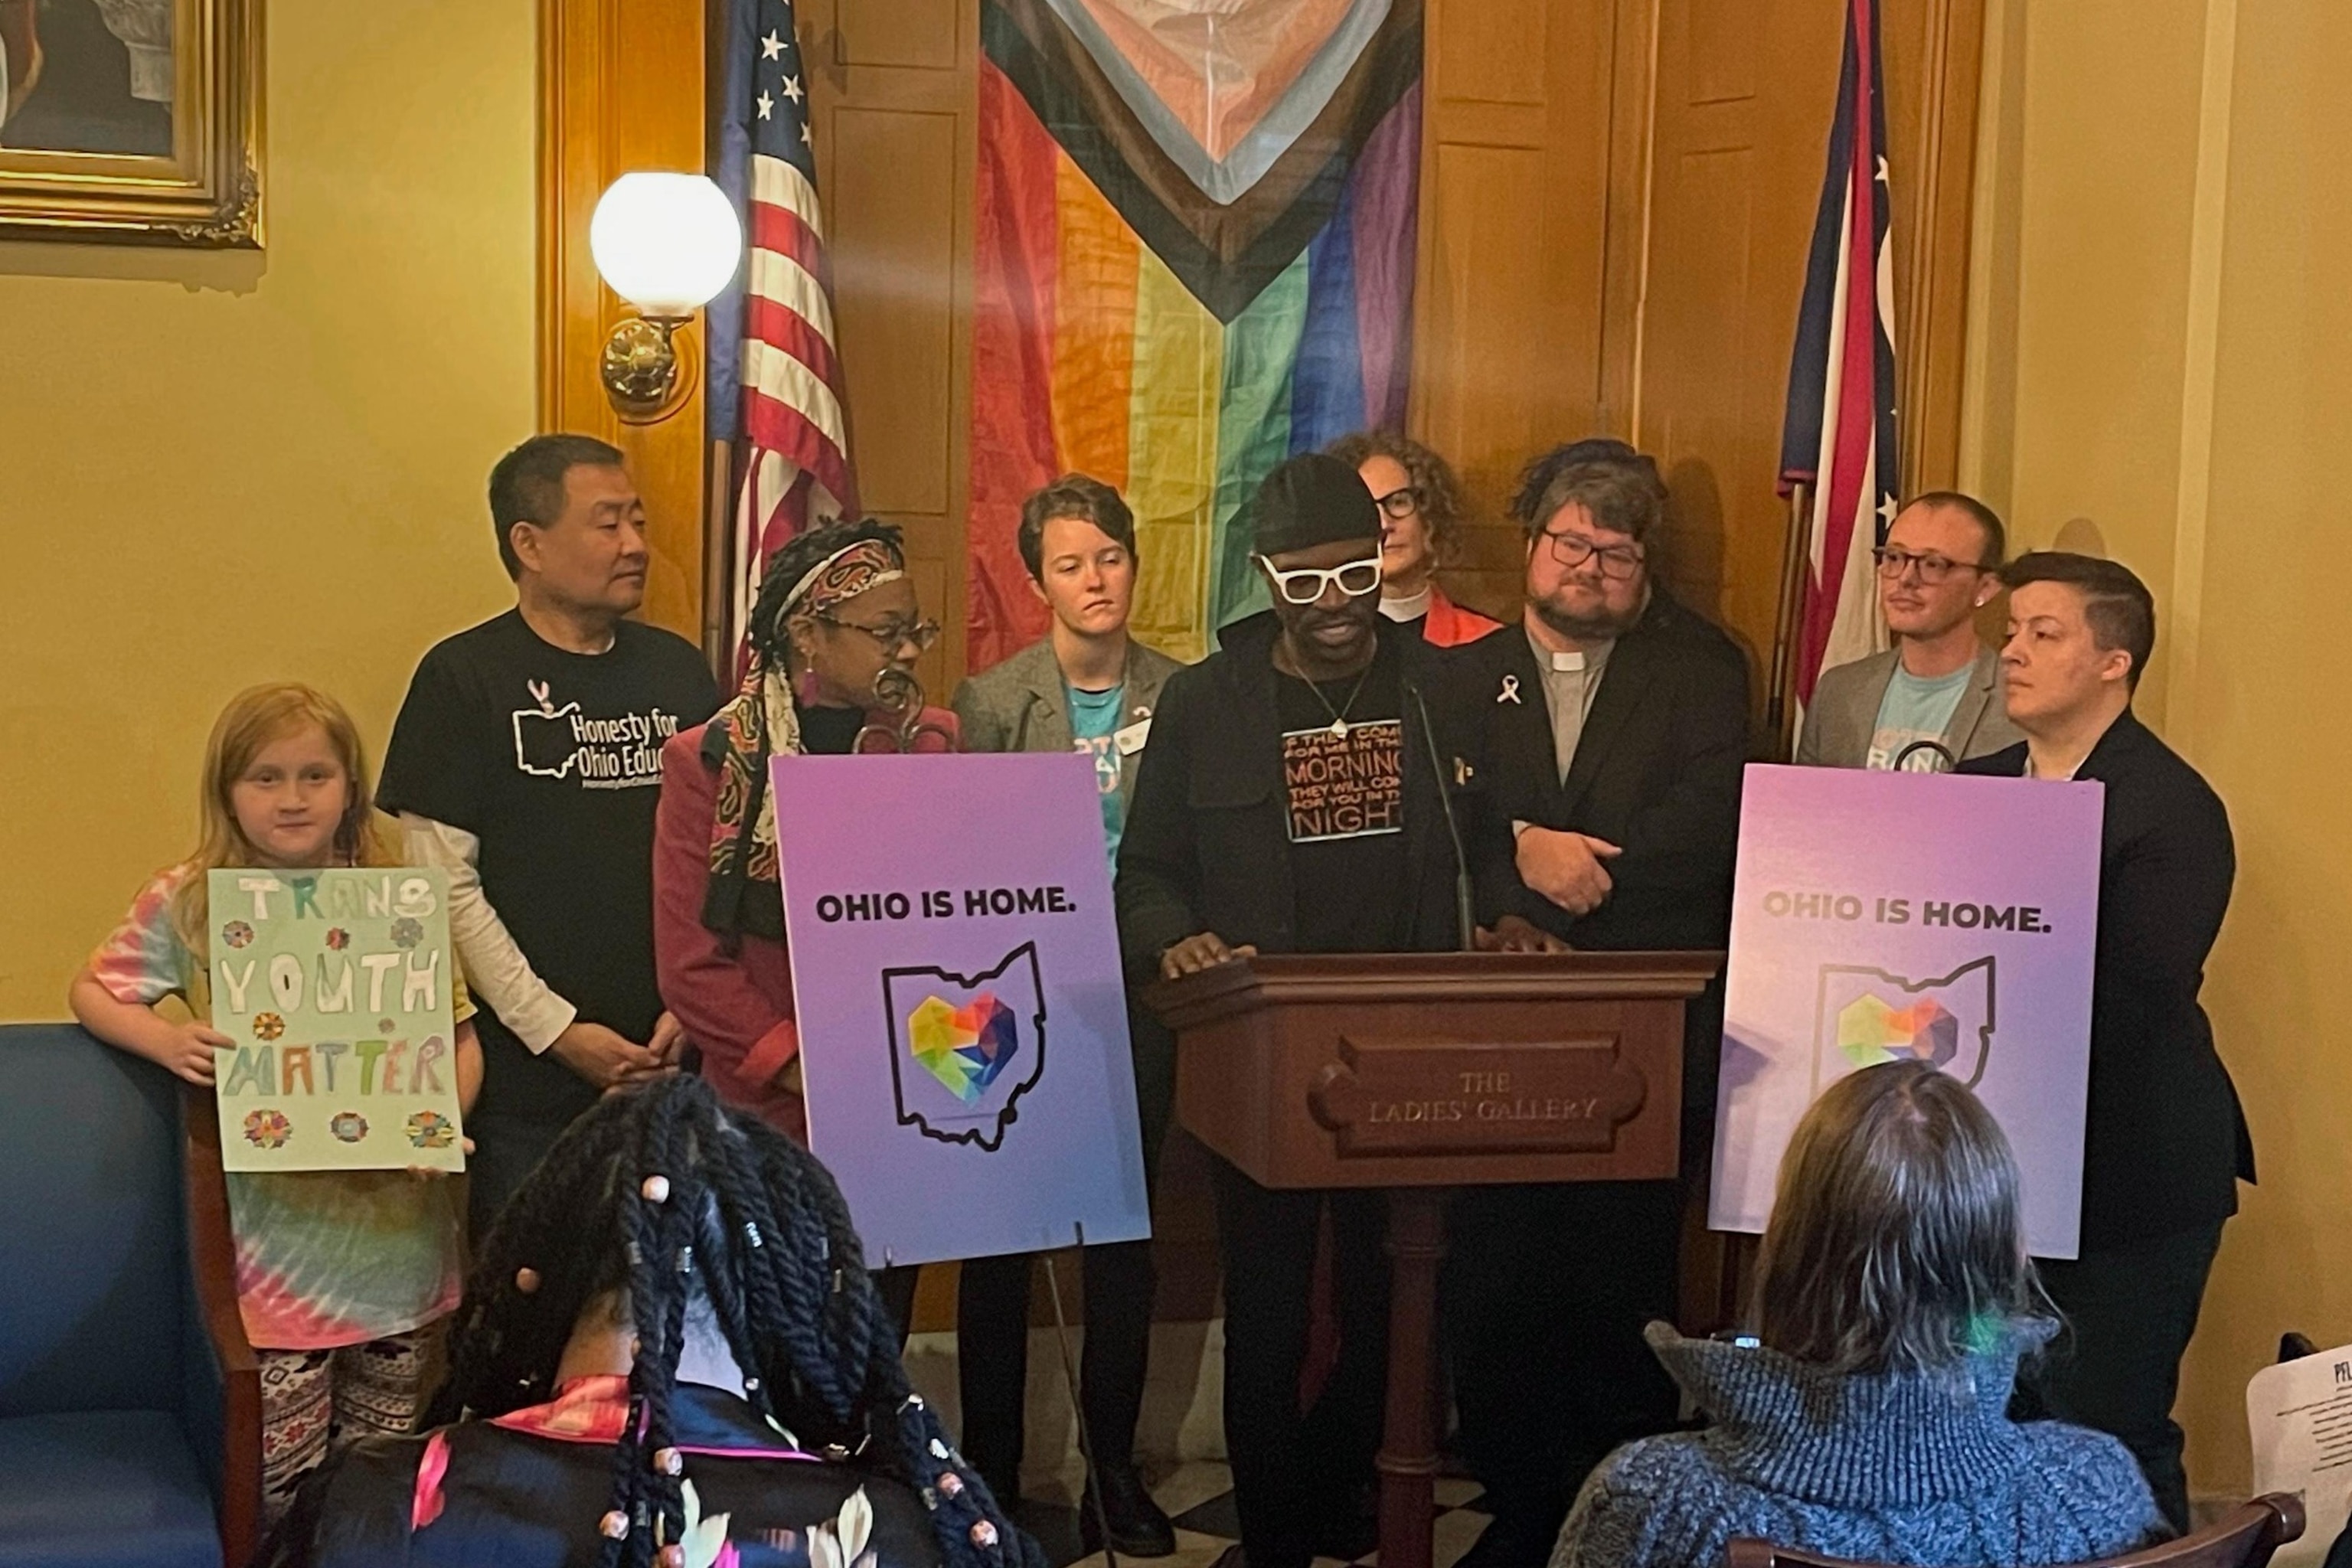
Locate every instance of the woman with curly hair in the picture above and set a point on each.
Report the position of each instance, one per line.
(669, 1355)
(1421, 514)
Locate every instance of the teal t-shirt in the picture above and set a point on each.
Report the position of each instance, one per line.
(1094, 720)
(1915, 710)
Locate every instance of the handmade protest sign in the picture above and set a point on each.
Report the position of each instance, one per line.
(957, 989)
(335, 985)
(1882, 917)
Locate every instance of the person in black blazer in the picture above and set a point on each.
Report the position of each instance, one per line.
(1238, 841)
(2165, 1142)
(1613, 728)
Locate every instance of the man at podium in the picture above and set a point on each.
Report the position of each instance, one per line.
(1615, 729)
(1288, 803)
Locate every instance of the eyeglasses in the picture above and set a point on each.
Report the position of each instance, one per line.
(1304, 585)
(1618, 562)
(1399, 504)
(894, 635)
(1933, 569)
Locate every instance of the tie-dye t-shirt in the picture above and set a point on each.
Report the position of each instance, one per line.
(323, 1257)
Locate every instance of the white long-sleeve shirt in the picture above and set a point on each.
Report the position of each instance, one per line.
(495, 969)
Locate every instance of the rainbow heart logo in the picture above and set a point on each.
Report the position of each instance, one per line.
(964, 1048)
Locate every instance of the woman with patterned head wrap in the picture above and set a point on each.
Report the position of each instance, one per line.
(834, 634)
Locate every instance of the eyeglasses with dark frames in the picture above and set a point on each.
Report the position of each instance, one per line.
(1933, 568)
(1618, 562)
(1399, 504)
(893, 635)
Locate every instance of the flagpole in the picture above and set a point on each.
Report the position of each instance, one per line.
(1780, 705)
(718, 636)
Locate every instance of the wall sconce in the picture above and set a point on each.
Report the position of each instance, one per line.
(667, 243)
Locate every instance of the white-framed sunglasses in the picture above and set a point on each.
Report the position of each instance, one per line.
(1304, 585)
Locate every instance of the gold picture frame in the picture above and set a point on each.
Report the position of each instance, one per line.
(151, 131)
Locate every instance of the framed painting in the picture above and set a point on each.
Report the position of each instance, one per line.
(131, 120)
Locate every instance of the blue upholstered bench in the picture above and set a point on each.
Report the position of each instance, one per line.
(123, 1369)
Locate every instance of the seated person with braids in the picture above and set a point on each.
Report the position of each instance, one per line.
(669, 1355)
(1868, 1416)
(834, 634)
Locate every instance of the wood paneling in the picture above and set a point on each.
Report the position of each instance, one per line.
(890, 200)
(922, 35)
(894, 98)
(1508, 330)
(1737, 127)
(621, 89)
(1933, 62)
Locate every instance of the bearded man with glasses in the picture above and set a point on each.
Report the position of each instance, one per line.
(1288, 803)
(1615, 728)
(1934, 700)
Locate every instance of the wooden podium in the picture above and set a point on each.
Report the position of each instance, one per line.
(1417, 1072)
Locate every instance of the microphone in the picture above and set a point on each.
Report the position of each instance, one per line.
(1465, 920)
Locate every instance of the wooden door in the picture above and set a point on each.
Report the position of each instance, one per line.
(1739, 112)
(1509, 321)
(893, 92)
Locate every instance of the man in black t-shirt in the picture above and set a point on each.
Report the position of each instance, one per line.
(1288, 803)
(527, 762)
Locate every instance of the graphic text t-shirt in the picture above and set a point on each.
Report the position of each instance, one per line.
(552, 760)
(1093, 724)
(1915, 710)
(1343, 798)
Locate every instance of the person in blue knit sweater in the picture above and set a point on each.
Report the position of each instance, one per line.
(1867, 1415)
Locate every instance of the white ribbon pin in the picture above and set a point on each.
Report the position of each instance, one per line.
(1510, 692)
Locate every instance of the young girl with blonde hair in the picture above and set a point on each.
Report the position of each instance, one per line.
(338, 1273)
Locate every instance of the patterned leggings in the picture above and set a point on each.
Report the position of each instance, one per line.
(315, 1402)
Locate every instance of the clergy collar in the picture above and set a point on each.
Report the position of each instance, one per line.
(1410, 606)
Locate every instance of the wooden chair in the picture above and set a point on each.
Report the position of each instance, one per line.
(212, 1257)
(2244, 1538)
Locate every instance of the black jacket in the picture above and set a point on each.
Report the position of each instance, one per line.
(1656, 772)
(522, 1501)
(2165, 1141)
(1206, 847)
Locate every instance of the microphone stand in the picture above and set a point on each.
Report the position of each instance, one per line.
(896, 719)
(1465, 920)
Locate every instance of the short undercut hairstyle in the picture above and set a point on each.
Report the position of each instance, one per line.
(1996, 537)
(1435, 490)
(2117, 603)
(1623, 495)
(1079, 496)
(527, 485)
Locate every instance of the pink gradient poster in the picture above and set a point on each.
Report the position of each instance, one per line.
(962, 1020)
(1887, 916)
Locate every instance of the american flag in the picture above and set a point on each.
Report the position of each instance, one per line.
(775, 382)
(1839, 435)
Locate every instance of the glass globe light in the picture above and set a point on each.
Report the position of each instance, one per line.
(666, 243)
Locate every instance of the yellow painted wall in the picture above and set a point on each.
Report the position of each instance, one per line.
(2163, 301)
(220, 468)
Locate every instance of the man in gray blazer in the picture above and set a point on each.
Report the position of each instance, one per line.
(1934, 699)
(1085, 686)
